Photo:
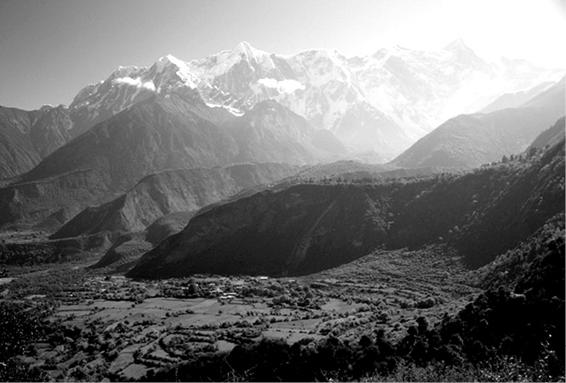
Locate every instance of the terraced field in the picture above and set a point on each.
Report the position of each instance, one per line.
(115, 327)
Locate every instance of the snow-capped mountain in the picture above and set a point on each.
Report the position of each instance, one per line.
(381, 102)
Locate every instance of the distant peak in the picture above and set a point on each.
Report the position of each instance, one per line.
(172, 69)
(244, 45)
(169, 58)
(457, 45)
(248, 50)
(125, 71)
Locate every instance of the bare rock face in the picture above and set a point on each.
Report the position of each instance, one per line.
(551, 136)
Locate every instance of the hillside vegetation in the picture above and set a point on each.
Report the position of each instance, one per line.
(306, 228)
(172, 191)
(482, 342)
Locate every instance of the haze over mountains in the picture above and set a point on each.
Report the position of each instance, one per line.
(475, 139)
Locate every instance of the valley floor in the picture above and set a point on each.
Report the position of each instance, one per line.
(108, 326)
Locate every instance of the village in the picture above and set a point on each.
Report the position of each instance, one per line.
(107, 326)
(129, 328)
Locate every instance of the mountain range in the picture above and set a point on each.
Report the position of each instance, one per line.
(172, 191)
(248, 106)
(380, 103)
(306, 228)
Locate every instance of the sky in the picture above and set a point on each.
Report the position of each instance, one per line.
(50, 49)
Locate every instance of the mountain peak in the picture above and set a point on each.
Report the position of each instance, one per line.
(170, 59)
(458, 45)
(126, 71)
(461, 52)
(248, 50)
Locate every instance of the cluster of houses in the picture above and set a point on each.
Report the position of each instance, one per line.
(223, 288)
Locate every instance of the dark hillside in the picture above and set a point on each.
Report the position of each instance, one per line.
(306, 228)
(296, 231)
(551, 136)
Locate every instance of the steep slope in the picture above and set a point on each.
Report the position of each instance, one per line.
(364, 129)
(552, 99)
(397, 93)
(179, 131)
(473, 140)
(306, 228)
(295, 231)
(508, 268)
(551, 136)
(127, 249)
(28, 136)
(171, 132)
(270, 132)
(158, 134)
(521, 207)
(167, 226)
(515, 100)
(51, 201)
(17, 154)
(489, 210)
(94, 167)
(168, 192)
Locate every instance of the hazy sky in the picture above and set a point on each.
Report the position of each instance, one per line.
(49, 49)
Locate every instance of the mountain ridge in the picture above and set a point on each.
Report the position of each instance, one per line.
(170, 191)
(306, 228)
(480, 138)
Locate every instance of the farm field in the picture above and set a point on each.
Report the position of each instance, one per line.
(109, 326)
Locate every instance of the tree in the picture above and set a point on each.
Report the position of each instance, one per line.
(365, 341)
(422, 325)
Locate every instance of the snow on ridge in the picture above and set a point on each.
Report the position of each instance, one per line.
(179, 67)
(247, 49)
(174, 60)
(416, 89)
(234, 111)
(136, 82)
(282, 86)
